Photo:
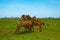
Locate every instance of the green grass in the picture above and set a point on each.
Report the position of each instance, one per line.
(51, 30)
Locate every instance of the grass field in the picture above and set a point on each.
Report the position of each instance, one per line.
(51, 30)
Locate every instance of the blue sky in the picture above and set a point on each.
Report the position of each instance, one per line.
(38, 8)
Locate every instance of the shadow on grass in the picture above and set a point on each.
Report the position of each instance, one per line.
(23, 32)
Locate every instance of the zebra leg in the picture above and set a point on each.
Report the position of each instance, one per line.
(40, 28)
(17, 29)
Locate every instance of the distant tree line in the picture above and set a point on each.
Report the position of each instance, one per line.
(38, 18)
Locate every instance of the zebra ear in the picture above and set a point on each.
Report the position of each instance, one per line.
(22, 15)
